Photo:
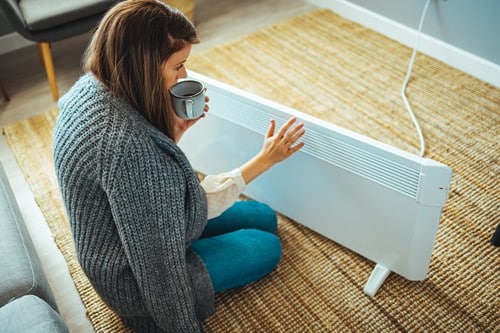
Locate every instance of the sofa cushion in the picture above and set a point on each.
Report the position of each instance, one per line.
(30, 314)
(21, 271)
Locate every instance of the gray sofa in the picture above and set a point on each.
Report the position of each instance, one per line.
(27, 303)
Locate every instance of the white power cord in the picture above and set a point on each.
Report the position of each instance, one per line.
(407, 78)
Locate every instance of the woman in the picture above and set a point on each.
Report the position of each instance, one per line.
(155, 242)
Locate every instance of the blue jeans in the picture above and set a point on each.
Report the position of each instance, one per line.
(239, 246)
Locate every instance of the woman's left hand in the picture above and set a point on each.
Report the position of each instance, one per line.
(182, 124)
(277, 147)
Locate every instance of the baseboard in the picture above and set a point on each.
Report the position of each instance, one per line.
(465, 61)
(12, 42)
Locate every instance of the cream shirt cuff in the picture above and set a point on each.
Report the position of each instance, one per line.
(222, 191)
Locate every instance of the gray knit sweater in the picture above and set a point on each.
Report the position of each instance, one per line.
(134, 204)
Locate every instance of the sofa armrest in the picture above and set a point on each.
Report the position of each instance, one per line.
(30, 314)
(21, 271)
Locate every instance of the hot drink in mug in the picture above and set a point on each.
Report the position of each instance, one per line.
(188, 97)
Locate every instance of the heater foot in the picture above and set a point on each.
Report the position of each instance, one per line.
(377, 277)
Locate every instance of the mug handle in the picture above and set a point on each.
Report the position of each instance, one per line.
(188, 106)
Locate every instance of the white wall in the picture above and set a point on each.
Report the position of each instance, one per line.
(461, 33)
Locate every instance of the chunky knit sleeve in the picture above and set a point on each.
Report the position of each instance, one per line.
(147, 191)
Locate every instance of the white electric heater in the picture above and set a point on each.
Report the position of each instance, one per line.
(370, 197)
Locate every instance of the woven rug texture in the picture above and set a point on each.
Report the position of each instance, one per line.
(344, 73)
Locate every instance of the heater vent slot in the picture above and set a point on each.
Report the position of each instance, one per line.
(333, 150)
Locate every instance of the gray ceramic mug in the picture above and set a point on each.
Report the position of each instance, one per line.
(188, 97)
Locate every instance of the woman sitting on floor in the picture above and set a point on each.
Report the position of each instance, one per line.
(155, 242)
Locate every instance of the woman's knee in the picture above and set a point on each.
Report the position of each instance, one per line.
(263, 215)
(243, 215)
(261, 247)
(239, 258)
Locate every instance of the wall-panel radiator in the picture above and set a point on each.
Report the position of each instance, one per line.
(370, 197)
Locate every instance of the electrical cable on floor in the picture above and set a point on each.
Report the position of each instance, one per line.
(407, 78)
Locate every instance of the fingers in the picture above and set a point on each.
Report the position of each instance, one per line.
(270, 130)
(288, 136)
(295, 148)
(295, 133)
(207, 99)
(291, 135)
(286, 126)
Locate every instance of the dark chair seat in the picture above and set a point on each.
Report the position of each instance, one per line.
(48, 14)
(47, 21)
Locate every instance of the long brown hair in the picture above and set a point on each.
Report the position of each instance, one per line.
(128, 50)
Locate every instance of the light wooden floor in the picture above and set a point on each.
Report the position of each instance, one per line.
(24, 78)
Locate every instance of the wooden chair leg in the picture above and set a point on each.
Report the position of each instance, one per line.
(44, 49)
(4, 92)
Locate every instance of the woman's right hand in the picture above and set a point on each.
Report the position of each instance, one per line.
(277, 147)
(182, 125)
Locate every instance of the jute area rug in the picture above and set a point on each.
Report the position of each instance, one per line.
(344, 73)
